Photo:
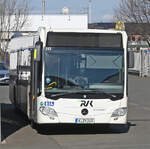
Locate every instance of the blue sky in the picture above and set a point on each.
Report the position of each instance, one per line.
(102, 10)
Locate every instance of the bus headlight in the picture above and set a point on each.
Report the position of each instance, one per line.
(119, 112)
(51, 113)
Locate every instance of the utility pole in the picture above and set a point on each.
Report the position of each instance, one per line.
(89, 11)
(43, 9)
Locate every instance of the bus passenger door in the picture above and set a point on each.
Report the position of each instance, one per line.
(36, 77)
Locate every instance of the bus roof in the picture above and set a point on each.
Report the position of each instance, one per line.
(88, 31)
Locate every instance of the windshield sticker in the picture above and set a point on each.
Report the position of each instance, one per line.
(47, 103)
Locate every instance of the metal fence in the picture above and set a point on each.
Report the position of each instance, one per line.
(141, 63)
(145, 62)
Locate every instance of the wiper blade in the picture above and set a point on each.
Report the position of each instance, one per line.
(109, 95)
(67, 93)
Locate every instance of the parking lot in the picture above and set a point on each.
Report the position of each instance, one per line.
(17, 133)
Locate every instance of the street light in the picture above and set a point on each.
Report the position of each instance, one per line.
(43, 9)
(90, 10)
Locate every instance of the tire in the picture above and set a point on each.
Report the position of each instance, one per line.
(119, 128)
(33, 124)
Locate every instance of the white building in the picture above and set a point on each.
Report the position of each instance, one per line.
(56, 21)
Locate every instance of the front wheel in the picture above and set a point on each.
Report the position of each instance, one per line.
(119, 128)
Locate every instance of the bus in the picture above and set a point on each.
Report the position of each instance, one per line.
(71, 77)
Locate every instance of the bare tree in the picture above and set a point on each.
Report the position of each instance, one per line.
(13, 15)
(137, 11)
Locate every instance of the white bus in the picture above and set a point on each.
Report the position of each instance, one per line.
(71, 77)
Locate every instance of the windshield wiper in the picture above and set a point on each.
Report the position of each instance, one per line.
(98, 91)
(66, 93)
(109, 95)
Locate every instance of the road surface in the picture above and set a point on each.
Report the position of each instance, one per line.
(17, 133)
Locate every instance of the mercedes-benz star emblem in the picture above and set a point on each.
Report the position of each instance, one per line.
(84, 111)
(84, 96)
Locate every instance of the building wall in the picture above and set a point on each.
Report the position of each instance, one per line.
(55, 21)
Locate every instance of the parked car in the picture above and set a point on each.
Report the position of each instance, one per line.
(4, 73)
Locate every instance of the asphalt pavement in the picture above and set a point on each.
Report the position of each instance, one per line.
(17, 133)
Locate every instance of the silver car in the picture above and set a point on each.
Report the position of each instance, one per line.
(4, 73)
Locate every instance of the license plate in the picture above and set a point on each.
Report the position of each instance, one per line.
(84, 120)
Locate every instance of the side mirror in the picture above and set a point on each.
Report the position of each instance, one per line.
(38, 51)
(130, 59)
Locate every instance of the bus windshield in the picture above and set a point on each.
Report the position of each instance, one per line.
(71, 68)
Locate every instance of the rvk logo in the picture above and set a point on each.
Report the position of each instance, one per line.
(86, 103)
(47, 103)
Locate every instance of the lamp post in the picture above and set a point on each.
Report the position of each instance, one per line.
(43, 9)
(89, 11)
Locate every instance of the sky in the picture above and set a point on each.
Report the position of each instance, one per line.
(102, 10)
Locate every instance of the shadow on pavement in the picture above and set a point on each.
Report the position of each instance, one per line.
(67, 129)
(11, 120)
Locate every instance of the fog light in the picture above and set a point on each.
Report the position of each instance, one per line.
(119, 112)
